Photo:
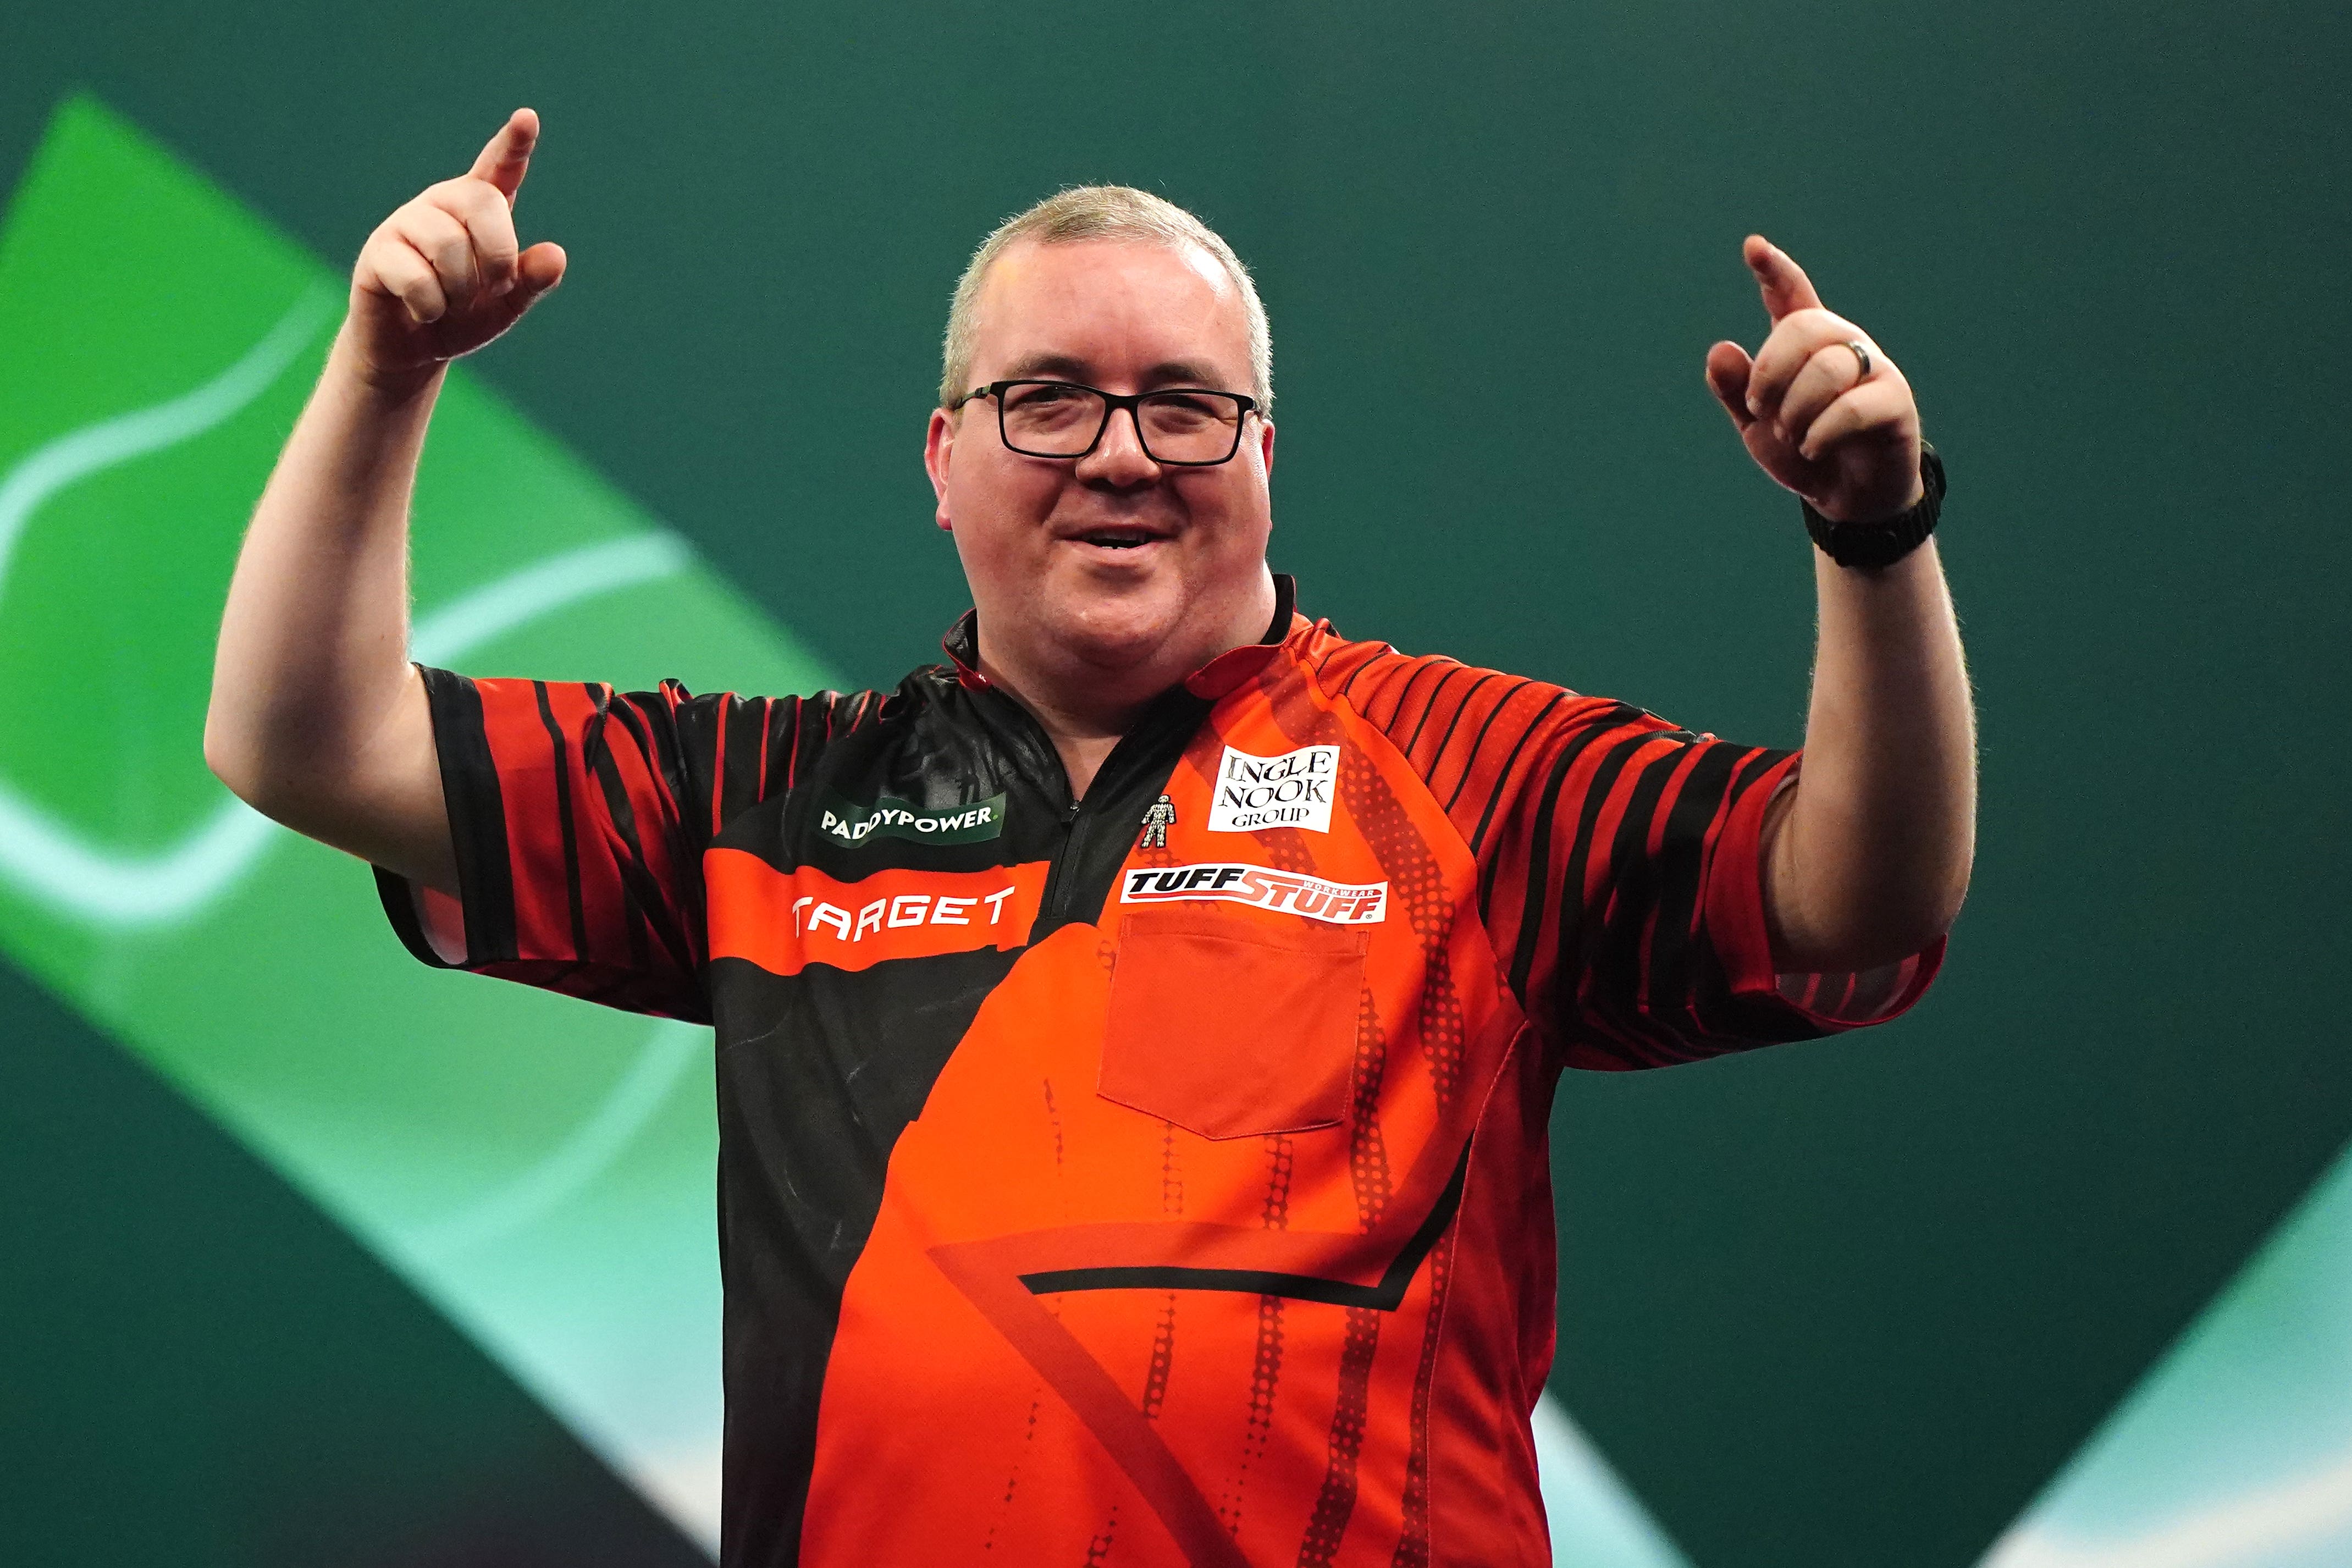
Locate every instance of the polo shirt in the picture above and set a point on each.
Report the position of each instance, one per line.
(1159, 1177)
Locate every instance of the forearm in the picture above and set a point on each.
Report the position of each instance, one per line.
(1868, 855)
(317, 718)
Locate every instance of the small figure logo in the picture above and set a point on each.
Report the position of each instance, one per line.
(1156, 824)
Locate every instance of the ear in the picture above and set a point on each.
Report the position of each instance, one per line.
(1266, 445)
(939, 446)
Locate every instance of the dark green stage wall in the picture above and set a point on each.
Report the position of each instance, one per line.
(1849, 1302)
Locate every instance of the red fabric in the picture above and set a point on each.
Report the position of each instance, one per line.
(1187, 975)
(1224, 1233)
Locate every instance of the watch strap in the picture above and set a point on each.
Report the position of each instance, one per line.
(1883, 543)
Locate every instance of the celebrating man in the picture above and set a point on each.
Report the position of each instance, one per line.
(1136, 1036)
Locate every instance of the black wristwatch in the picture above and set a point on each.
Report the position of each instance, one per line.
(1883, 543)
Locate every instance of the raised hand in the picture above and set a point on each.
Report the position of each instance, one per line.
(1840, 433)
(443, 274)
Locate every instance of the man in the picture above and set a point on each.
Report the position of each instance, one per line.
(1135, 1036)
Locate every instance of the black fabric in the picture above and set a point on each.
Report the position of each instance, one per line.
(820, 1072)
(478, 830)
(467, 773)
(813, 1096)
(561, 745)
(1531, 922)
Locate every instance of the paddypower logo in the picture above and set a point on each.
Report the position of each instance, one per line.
(1293, 790)
(887, 818)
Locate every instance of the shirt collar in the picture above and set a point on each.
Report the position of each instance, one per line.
(1211, 680)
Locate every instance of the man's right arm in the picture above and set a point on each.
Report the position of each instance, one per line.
(318, 720)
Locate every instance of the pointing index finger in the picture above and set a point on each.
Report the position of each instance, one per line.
(1785, 286)
(506, 158)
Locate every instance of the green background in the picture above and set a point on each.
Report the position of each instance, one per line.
(1846, 1302)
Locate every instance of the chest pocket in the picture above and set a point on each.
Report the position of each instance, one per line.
(1232, 1028)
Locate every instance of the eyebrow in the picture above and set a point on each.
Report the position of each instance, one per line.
(1066, 367)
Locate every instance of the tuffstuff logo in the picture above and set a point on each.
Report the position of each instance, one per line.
(1340, 903)
(1293, 790)
(888, 818)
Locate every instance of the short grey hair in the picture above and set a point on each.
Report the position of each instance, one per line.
(1101, 211)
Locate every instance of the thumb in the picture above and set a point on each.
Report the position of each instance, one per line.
(1728, 369)
(539, 270)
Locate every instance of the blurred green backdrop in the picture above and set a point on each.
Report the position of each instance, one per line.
(1848, 1302)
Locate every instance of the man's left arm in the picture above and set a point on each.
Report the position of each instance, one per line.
(1866, 857)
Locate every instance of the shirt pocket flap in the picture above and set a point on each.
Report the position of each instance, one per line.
(1232, 1027)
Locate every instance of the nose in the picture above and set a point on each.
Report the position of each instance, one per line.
(1118, 458)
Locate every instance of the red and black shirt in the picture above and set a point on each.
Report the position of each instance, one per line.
(1166, 1167)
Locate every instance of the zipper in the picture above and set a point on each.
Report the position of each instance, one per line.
(1074, 837)
(1075, 817)
(1057, 894)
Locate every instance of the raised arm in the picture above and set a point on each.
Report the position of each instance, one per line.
(1866, 859)
(318, 718)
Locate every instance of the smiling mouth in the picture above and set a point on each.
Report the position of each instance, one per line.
(1117, 538)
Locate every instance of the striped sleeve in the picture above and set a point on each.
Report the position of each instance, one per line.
(1619, 864)
(579, 814)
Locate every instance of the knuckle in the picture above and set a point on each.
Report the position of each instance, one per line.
(476, 197)
(427, 224)
(458, 208)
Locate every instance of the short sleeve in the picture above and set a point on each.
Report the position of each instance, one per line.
(1619, 870)
(579, 815)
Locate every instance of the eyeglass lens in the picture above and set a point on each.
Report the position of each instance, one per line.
(1049, 419)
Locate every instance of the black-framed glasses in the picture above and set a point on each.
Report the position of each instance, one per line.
(1186, 426)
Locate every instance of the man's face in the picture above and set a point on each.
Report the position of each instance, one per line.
(1109, 560)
